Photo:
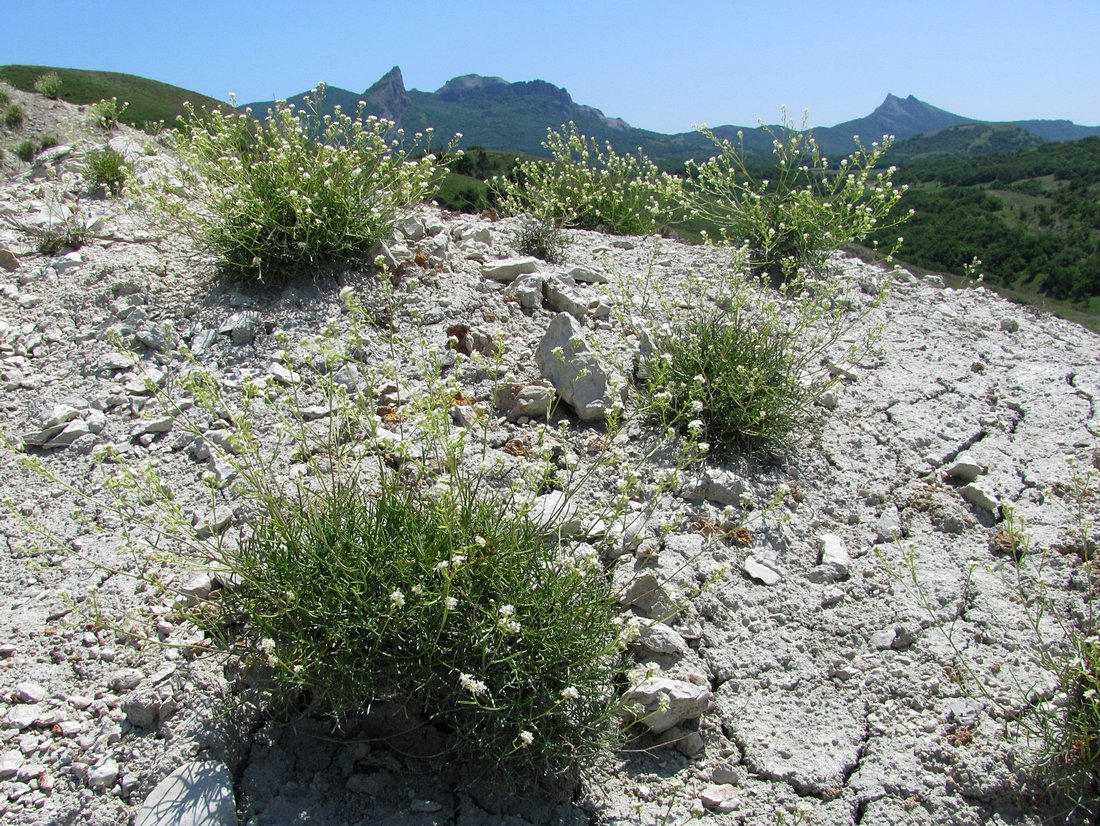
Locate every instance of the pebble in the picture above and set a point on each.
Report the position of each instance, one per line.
(104, 775)
(762, 572)
(125, 679)
(10, 762)
(27, 692)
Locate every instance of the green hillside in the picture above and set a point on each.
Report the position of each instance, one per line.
(1032, 216)
(964, 141)
(150, 101)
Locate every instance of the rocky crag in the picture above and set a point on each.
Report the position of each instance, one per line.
(817, 681)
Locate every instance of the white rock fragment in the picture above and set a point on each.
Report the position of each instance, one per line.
(10, 763)
(103, 776)
(833, 562)
(720, 798)
(980, 498)
(509, 269)
(195, 794)
(664, 703)
(762, 572)
(581, 379)
(964, 469)
(28, 692)
(530, 400)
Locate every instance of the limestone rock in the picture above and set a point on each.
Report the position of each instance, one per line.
(195, 794)
(581, 379)
(530, 400)
(666, 703)
(762, 572)
(509, 269)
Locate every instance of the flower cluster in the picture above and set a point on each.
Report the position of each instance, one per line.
(588, 187)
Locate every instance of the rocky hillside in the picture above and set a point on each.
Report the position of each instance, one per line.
(867, 659)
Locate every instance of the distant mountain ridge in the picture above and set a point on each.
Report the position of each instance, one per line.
(514, 116)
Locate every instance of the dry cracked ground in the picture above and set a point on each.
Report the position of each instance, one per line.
(871, 657)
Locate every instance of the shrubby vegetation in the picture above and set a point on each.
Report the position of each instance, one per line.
(795, 220)
(586, 187)
(292, 192)
(1032, 216)
(107, 171)
(49, 85)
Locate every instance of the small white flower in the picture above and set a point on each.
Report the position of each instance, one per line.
(397, 598)
(526, 738)
(696, 406)
(570, 693)
(475, 687)
(450, 603)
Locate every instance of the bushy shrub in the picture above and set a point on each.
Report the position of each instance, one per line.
(5, 98)
(25, 150)
(794, 221)
(542, 238)
(453, 603)
(736, 363)
(49, 85)
(729, 378)
(108, 111)
(291, 192)
(589, 188)
(14, 117)
(106, 171)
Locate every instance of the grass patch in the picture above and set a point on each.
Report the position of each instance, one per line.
(49, 85)
(14, 116)
(455, 604)
(106, 171)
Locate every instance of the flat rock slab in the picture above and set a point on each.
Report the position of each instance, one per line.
(809, 739)
(195, 794)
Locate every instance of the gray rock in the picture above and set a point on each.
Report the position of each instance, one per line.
(212, 521)
(553, 511)
(964, 470)
(834, 554)
(10, 762)
(888, 525)
(130, 149)
(665, 703)
(509, 269)
(28, 692)
(23, 716)
(125, 679)
(563, 298)
(8, 260)
(585, 275)
(103, 776)
(714, 485)
(142, 708)
(762, 572)
(527, 290)
(242, 328)
(980, 498)
(581, 379)
(720, 798)
(160, 424)
(530, 400)
(661, 639)
(195, 794)
(883, 640)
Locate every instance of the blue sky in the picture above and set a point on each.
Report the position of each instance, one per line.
(659, 65)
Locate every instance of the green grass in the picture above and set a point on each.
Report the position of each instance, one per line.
(150, 101)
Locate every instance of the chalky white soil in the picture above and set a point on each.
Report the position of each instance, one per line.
(816, 677)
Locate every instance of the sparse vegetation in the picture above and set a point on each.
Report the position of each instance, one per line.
(587, 187)
(49, 85)
(108, 112)
(543, 238)
(292, 192)
(793, 221)
(106, 170)
(70, 234)
(14, 116)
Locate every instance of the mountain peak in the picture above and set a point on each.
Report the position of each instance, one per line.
(387, 96)
(456, 86)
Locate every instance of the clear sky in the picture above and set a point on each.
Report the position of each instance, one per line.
(659, 65)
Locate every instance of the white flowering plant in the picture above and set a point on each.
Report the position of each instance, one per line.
(585, 186)
(792, 221)
(292, 192)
